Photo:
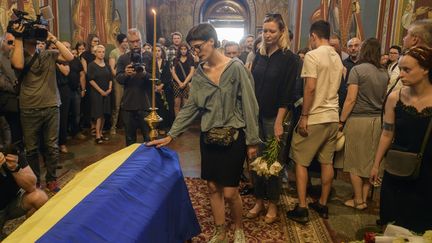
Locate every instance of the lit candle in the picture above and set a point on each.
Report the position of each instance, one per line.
(154, 60)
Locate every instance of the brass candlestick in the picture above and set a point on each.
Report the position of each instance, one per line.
(153, 119)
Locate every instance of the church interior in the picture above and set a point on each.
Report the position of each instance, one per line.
(86, 168)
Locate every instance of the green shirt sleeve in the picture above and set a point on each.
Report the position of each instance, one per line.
(250, 107)
(186, 115)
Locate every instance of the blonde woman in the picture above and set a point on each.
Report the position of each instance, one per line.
(274, 70)
(100, 77)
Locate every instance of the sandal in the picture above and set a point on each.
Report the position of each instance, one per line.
(99, 141)
(252, 215)
(353, 204)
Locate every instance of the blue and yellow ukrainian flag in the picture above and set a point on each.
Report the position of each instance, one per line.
(137, 194)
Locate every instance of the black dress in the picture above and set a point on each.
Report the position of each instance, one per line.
(178, 65)
(409, 203)
(223, 165)
(165, 102)
(100, 105)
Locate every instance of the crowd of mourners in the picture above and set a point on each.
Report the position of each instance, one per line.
(373, 99)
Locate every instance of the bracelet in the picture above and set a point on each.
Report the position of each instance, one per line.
(17, 168)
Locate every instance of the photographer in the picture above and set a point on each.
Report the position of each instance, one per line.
(39, 99)
(137, 87)
(19, 194)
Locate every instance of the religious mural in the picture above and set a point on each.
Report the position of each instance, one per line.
(343, 16)
(409, 11)
(266, 6)
(96, 16)
(6, 7)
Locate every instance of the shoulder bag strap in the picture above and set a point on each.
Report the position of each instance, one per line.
(182, 69)
(425, 139)
(25, 70)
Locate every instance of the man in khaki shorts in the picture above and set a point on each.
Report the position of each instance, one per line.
(316, 131)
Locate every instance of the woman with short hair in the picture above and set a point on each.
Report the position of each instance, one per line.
(100, 79)
(223, 96)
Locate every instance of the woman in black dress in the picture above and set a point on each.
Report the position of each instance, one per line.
(87, 57)
(100, 77)
(164, 90)
(182, 72)
(408, 112)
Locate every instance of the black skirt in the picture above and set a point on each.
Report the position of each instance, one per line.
(223, 165)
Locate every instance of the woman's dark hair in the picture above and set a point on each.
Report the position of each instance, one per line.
(163, 56)
(423, 55)
(178, 53)
(120, 37)
(204, 32)
(398, 48)
(370, 52)
(80, 43)
(90, 37)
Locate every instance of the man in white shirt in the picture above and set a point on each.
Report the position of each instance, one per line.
(393, 68)
(318, 125)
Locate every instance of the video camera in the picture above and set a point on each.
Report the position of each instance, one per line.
(136, 60)
(33, 29)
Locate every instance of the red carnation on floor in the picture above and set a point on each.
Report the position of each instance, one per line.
(369, 237)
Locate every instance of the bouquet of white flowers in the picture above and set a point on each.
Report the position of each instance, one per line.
(268, 165)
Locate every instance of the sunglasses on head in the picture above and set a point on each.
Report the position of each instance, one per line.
(273, 15)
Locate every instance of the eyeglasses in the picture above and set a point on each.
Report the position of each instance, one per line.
(10, 42)
(197, 48)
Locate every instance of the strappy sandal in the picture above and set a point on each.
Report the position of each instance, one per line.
(353, 204)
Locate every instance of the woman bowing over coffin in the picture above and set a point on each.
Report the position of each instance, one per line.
(223, 94)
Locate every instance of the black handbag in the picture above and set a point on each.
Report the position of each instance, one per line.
(8, 102)
(221, 136)
(406, 165)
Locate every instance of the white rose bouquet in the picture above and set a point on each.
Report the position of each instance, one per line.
(268, 165)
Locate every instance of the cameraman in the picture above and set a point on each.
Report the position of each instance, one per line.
(137, 88)
(40, 100)
(19, 194)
